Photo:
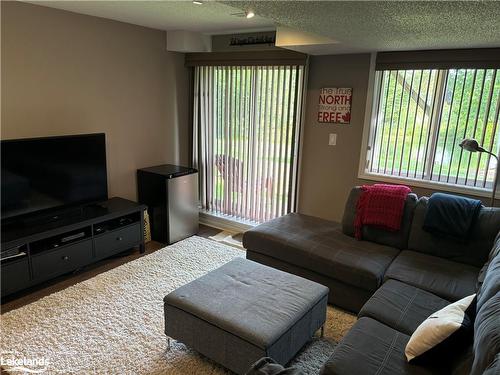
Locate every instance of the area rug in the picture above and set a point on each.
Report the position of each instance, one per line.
(113, 323)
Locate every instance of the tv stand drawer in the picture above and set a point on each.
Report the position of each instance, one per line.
(15, 275)
(117, 240)
(52, 263)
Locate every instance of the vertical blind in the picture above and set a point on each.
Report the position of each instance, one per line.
(246, 129)
(420, 116)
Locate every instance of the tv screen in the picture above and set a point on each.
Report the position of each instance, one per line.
(46, 173)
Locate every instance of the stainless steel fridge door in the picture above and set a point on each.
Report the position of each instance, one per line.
(183, 212)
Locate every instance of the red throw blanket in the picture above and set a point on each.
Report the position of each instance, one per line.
(381, 206)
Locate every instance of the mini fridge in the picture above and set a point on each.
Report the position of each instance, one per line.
(171, 194)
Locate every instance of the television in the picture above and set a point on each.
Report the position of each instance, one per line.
(42, 174)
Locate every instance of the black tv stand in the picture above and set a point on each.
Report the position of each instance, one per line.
(60, 216)
(50, 246)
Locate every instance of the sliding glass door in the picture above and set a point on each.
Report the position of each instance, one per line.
(246, 131)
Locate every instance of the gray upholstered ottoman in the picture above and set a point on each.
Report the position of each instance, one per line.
(243, 311)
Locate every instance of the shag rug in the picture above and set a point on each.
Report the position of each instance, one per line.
(113, 323)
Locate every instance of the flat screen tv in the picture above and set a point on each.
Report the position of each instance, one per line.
(47, 173)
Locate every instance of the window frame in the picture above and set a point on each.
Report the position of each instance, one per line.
(364, 174)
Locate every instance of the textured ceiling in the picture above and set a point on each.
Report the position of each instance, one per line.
(357, 26)
(211, 17)
(388, 25)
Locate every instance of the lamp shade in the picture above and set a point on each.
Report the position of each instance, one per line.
(471, 145)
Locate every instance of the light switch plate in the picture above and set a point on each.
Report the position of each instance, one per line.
(332, 139)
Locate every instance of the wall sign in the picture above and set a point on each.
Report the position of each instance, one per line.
(335, 105)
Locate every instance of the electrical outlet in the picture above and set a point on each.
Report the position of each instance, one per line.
(332, 139)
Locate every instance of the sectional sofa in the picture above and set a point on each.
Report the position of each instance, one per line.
(393, 281)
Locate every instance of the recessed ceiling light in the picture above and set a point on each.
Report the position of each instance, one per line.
(250, 14)
(197, 2)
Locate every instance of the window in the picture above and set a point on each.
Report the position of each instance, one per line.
(246, 128)
(420, 116)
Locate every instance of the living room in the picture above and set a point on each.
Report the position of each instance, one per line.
(199, 177)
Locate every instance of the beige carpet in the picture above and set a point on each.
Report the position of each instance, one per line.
(113, 323)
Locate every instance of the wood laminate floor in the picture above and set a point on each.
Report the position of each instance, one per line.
(59, 283)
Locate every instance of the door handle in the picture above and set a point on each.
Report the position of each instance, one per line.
(119, 238)
(65, 258)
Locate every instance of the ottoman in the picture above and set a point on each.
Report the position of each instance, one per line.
(244, 311)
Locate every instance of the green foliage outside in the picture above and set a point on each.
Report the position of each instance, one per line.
(409, 100)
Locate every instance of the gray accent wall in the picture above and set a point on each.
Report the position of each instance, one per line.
(329, 172)
(67, 73)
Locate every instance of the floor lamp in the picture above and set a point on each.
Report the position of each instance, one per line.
(471, 145)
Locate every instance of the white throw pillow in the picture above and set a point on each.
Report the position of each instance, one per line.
(443, 334)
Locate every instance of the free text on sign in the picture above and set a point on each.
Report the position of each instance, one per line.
(335, 105)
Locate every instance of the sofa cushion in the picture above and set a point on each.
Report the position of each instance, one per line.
(346, 296)
(474, 251)
(495, 251)
(442, 277)
(319, 245)
(486, 335)
(397, 239)
(462, 364)
(491, 282)
(444, 335)
(371, 347)
(494, 367)
(401, 306)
